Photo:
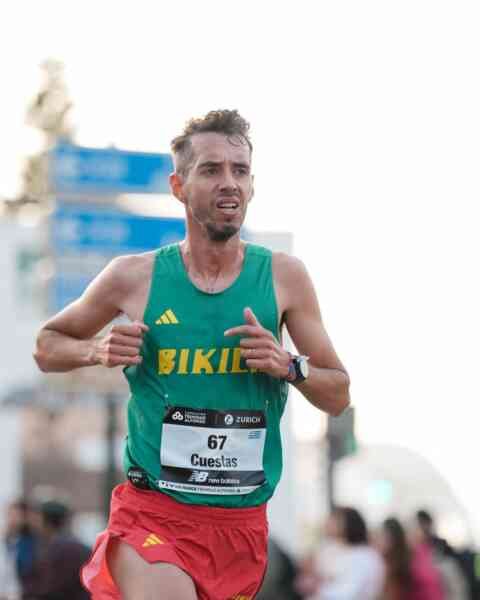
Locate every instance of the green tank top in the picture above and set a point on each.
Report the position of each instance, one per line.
(203, 427)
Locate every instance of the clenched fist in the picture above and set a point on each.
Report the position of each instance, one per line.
(121, 346)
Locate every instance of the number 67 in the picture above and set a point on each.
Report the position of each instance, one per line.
(216, 441)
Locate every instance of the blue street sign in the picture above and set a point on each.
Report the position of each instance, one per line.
(77, 170)
(84, 238)
(82, 228)
(65, 288)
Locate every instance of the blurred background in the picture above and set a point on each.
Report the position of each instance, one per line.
(365, 124)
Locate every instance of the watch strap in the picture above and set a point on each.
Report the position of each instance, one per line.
(294, 372)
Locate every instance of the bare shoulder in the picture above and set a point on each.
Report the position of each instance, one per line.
(293, 286)
(288, 270)
(129, 270)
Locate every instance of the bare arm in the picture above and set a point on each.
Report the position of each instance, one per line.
(327, 386)
(328, 382)
(67, 341)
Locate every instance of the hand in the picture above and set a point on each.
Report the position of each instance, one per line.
(121, 346)
(260, 348)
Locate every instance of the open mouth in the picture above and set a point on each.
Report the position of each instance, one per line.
(227, 206)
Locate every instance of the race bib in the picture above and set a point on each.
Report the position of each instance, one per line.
(207, 451)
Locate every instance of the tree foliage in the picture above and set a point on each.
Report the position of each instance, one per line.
(48, 112)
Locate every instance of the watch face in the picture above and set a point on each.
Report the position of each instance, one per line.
(303, 364)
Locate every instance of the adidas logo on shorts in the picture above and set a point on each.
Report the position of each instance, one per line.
(152, 540)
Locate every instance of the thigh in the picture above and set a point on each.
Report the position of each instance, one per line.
(137, 579)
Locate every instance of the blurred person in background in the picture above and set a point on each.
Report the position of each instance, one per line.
(21, 538)
(9, 583)
(346, 566)
(278, 583)
(307, 581)
(391, 541)
(469, 561)
(426, 523)
(424, 567)
(208, 376)
(400, 580)
(444, 557)
(323, 562)
(58, 563)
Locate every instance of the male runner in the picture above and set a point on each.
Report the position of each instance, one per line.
(208, 378)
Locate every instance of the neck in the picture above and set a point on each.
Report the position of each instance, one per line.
(212, 266)
(206, 257)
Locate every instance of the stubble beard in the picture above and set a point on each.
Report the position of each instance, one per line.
(215, 234)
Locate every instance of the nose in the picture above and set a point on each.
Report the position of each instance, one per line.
(228, 182)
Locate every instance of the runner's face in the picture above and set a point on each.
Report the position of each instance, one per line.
(219, 184)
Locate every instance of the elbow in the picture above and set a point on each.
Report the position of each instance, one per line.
(41, 355)
(41, 363)
(339, 407)
(41, 360)
(342, 398)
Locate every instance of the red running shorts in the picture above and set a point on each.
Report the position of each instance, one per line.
(223, 550)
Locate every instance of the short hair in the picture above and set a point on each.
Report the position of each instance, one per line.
(424, 518)
(227, 122)
(355, 528)
(55, 513)
(398, 555)
(396, 531)
(425, 523)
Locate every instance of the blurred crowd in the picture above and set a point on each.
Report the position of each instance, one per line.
(40, 558)
(394, 562)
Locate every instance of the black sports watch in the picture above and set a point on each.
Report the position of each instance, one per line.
(297, 369)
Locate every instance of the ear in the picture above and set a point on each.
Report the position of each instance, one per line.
(176, 185)
(253, 189)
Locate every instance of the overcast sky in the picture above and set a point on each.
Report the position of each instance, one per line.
(365, 120)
